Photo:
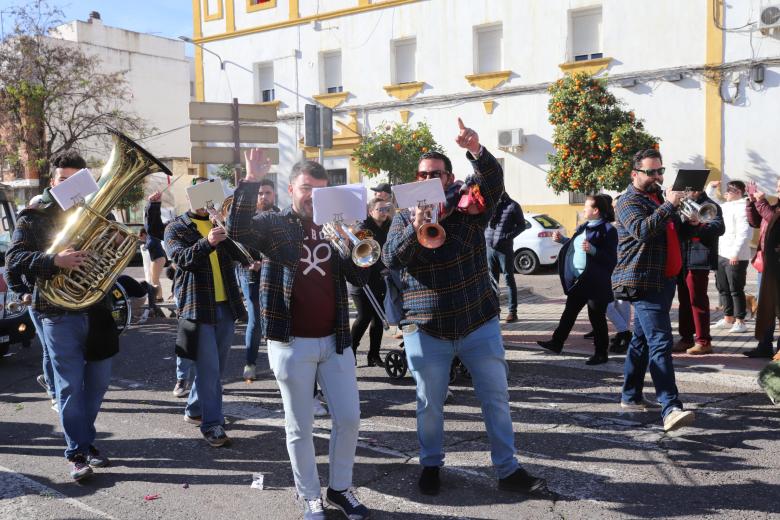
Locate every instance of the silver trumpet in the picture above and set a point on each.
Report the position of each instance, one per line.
(692, 210)
(365, 253)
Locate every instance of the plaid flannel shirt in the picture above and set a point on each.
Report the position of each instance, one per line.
(447, 291)
(641, 226)
(34, 233)
(193, 283)
(279, 237)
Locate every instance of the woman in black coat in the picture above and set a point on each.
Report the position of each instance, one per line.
(585, 265)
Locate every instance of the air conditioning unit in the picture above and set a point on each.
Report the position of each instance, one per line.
(512, 140)
(770, 17)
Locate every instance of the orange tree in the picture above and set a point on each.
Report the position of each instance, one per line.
(394, 148)
(594, 137)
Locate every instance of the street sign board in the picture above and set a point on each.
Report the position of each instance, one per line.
(224, 134)
(224, 154)
(224, 112)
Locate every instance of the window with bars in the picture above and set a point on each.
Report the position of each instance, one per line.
(337, 177)
(264, 82)
(488, 48)
(331, 70)
(404, 61)
(586, 35)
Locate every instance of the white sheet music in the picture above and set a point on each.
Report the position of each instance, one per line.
(346, 203)
(413, 194)
(74, 189)
(204, 192)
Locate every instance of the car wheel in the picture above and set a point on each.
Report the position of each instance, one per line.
(526, 261)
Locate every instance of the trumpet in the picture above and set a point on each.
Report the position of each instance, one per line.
(430, 235)
(236, 249)
(369, 247)
(365, 252)
(692, 210)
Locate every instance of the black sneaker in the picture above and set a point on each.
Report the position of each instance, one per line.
(597, 359)
(375, 361)
(95, 459)
(759, 352)
(429, 482)
(79, 469)
(348, 503)
(551, 345)
(521, 481)
(216, 436)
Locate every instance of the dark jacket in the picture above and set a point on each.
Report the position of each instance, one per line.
(507, 222)
(641, 226)
(759, 214)
(279, 237)
(699, 243)
(595, 279)
(27, 260)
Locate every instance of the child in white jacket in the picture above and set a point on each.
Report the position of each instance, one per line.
(733, 256)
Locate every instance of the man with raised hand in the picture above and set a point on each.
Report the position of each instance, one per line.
(450, 309)
(305, 314)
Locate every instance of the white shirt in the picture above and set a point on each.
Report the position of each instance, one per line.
(735, 242)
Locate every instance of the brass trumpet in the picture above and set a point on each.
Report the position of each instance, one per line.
(692, 210)
(431, 235)
(365, 252)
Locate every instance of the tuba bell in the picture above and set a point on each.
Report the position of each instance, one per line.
(109, 245)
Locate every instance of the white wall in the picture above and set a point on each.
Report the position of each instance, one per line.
(157, 72)
(642, 37)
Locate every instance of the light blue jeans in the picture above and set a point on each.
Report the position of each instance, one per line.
(80, 384)
(48, 371)
(619, 313)
(184, 369)
(296, 365)
(214, 339)
(482, 352)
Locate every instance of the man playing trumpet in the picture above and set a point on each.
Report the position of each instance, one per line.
(305, 315)
(451, 309)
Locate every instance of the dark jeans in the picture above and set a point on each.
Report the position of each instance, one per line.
(365, 316)
(730, 281)
(251, 290)
(694, 305)
(652, 346)
(501, 260)
(769, 335)
(575, 301)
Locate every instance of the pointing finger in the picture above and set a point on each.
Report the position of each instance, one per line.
(460, 124)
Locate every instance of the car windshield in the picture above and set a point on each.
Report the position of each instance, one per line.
(547, 222)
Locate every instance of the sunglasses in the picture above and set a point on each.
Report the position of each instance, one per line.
(382, 209)
(433, 174)
(652, 173)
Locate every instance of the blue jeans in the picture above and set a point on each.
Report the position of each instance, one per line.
(205, 399)
(501, 260)
(482, 352)
(184, 369)
(251, 290)
(652, 345)
(48, 371)
(296, 365)
(80, 384)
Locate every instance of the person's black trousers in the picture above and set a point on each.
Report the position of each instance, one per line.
(730, 281)
(575, 301)
(367, 315)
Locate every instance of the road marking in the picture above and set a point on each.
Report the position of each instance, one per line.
(51, 492)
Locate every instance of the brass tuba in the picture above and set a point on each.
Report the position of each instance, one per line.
(110, 245)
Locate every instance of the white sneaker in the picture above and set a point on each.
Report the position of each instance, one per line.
(739, 326)
(721, 324)
(677, 419)
(250, 372)
(319, 410)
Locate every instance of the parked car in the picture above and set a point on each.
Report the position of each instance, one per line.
(535, 247)
(15, 323)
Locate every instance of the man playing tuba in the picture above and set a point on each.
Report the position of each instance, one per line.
(80, 343)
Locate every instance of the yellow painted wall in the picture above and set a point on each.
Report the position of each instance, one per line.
(566, 214)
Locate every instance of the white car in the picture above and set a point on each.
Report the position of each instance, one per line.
(534, 246)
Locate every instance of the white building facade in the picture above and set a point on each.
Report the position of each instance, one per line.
(160, 79)
(704, 77)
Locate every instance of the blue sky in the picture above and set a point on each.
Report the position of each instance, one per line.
(169, 18)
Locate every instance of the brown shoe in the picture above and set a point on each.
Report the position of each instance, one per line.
(510, 318)
(683, 345)
(700, 349)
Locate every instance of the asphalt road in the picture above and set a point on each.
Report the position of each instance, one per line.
(599, 462)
